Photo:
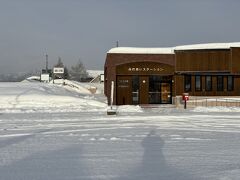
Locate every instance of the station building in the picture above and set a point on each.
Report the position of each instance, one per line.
(158, 75)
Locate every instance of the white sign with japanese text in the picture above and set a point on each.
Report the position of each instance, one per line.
(58, 70)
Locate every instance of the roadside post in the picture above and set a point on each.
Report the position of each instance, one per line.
(58, 72)
(112, 111)
(185, 98)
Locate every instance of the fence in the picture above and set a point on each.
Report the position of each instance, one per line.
(195, 101)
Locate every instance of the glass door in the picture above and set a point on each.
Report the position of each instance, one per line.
(135, 90)
(160, 91)
(154, 93)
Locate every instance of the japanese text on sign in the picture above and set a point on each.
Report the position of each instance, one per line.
(144, 69)
(58, 70)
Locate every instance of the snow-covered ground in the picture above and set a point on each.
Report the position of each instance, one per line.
(50, 132)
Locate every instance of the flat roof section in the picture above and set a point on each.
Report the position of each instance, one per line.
(136, 50)
(208, 46)
(170, 50)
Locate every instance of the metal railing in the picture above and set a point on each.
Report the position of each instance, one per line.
(195, 101)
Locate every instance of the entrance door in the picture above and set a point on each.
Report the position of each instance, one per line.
(160, 90)
(154, 92)
(166, 97)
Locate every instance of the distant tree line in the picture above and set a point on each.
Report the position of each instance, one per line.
(17, 77)
(77, 72)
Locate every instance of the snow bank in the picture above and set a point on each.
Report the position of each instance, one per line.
(76, 86)
(216, 109)
(128, 108)
(41, 97)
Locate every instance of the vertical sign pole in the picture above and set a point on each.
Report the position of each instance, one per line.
(47, 63)
(112, 92)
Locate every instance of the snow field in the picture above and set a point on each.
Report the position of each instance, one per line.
(50, 132)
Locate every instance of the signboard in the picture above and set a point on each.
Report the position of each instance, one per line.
(144, 68)
(45, 77)
(102, 77)
(58, 70)
(185, 96)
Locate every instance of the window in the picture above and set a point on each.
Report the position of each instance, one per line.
(208, 83)
(219, 83)
(135, 89)
(230, 84)
(154, 93)
(187, 83)
(198, 83)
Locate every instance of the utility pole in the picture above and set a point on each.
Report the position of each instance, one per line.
(46, 63)
(116, 43)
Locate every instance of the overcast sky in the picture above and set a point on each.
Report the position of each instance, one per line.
(87, 29)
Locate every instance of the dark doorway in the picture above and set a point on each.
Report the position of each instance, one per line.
(160, 90)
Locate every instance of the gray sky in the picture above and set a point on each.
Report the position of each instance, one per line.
(87, 29)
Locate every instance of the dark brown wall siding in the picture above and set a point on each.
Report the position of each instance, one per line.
(199, 60)
(236, 86)
(144, 87)
(117, 59)
(124, 90)
(179, 83)
(235, 52)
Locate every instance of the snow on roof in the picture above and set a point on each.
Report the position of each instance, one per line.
(170, 50)
(208, 46)
(135, 50)
(95, 73)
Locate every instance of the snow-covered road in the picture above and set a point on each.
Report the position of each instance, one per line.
(82, 142)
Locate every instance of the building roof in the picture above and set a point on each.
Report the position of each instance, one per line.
(136, 50)
(208, 46)
(170, 50)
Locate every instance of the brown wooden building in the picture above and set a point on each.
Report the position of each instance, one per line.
(157, 75)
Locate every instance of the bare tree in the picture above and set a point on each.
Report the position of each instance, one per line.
(78, 72)
(59, 63)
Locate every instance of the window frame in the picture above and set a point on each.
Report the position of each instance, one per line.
(232, 82)
(220, 85)
(206, 83)
(185, 83)
(200, 80)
